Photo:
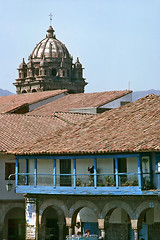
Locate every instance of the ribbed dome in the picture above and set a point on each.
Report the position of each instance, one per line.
(50, 47)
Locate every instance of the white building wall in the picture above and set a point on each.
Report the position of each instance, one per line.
(117, 103)
(43, 102)
(4, 194)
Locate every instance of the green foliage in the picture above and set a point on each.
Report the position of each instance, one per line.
(110, 181)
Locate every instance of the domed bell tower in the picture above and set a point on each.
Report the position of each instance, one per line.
(50, 67)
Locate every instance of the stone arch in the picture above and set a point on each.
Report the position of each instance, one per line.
(34, 90)
(144, 206)
(60, 211)
(13, 214)
(77, 206)
(83, 203)
(116, 204)
(24, 91)
(10, 207)
(59, 205)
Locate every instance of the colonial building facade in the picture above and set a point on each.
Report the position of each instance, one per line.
(102, 174)
(50, 66)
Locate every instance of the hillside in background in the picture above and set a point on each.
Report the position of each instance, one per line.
(139, 94)
(135, 95)
(5, 92)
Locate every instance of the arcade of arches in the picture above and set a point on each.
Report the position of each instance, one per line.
(110, 217)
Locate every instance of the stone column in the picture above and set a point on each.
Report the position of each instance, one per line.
(70, 231)
(134, 225)
(31, 217)
(1, 230)
(101, 227)
(103, 233)
(135, 234)
(69, 225)
(61, 227)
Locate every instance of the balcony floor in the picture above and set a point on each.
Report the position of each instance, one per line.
(85, 190)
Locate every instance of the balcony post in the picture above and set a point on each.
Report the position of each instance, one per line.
(54, 173)
(139, 171)
(95, 172)
(26, 171)
(35, 172)
(74, 173)
(16, 173)
(116, 172)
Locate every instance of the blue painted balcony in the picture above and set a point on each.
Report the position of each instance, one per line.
(124, 174)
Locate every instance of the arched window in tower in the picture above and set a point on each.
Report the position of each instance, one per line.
(20, 75)
(63, 73)
(54, 72)
(37, 71)
(67, 72)
(34, 90)
(25, 74)
(79, 74)
(24, 91)
(45, 72)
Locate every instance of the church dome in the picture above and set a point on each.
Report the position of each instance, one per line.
(50, 47)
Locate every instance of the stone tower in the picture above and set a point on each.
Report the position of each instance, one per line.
(50, 67)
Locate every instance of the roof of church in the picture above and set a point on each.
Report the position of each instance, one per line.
(79, 100)
(134, 127)
(50, 47)
(12, 102)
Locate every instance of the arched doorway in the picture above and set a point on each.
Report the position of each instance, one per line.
(149, 224)
(117, 224)
(52, 227)
(14, 224)
(85, 218)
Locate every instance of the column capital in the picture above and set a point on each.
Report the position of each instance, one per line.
(101, 223)
(134, 224)
(68, 222)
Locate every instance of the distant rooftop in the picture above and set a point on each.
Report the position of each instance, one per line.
(10, 103)
(79, 100)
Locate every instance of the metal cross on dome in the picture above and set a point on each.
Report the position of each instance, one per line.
(50, 15)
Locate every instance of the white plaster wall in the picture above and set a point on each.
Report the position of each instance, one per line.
(43, 102)
(132, 165)
(4, 194)
(105, 165)
(86, 215)
(117, 103)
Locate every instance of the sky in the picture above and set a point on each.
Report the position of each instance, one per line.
(117, 41)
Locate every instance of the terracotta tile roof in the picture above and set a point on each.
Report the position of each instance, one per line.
(11, 102)
(132, 128)
(79, 100)
(74, 118)
(17, 129)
